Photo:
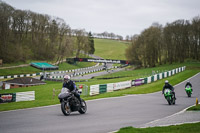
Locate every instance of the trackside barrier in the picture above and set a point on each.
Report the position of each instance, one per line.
(40, 73)
(98, 89)
(110, 87)
(94, 89)
(25, 96)
(138, 82)
(122, 85)
(17, 97)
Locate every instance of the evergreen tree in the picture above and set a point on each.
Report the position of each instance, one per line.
(91, 43)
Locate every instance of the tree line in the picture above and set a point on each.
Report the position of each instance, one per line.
(107, 35)
(175, 42)
(26, 35)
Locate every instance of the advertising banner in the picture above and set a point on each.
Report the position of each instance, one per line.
(25, 96)
(160, 75)
(94, 89)
(137, 82)
(8, 97)
(110, 87)
(98, 60)
(121, 85)
(155, 77)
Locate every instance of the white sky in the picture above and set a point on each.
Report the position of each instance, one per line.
(122, 17)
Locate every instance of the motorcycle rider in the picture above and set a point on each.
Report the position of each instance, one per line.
(188, 84)
(167, 85)
(72, 87)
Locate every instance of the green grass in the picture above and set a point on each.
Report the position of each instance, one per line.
(110, 49)
(139, 73)
(194, 108)
(30, 70)
(44, 93)
(18, 70)
(184, 128)
(66, 66)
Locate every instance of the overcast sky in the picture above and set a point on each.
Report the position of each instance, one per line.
(122, 17)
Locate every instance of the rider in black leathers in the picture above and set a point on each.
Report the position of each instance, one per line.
(167, 85)
(71, 86)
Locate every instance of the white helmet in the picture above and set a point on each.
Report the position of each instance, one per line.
(66, 77)
(166, 81)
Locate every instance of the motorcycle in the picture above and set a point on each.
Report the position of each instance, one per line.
(169, 96)
(70, 103)
(188, 90)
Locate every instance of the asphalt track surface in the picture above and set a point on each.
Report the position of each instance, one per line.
(103, 115)
(109, 66)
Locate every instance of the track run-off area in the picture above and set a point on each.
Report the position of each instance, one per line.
(103, 115)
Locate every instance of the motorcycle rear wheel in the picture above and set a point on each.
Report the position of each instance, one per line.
(65, 108)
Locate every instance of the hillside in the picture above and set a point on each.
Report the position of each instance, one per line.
(110, 49)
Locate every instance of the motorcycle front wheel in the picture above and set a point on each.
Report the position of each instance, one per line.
(65, 108)
(169, 100)
(188, 93)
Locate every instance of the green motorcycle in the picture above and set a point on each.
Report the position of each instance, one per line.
(169, 96)
(188, 90)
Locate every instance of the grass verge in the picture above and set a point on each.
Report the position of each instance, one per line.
(194, 108)
(184, 128)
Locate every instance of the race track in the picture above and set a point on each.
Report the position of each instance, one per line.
(103, 115)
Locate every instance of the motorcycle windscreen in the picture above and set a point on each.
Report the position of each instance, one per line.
(167, 91)
(64, 93)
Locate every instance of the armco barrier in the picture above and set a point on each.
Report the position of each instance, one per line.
(97, 89)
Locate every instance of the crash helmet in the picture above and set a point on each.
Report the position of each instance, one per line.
(188, 81)
(66, 77)
(166, 81)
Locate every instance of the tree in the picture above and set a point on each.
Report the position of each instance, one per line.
(195, 38)
(146, 48)
(91, 43)
(81, 42)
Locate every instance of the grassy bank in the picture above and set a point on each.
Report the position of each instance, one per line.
(110, 49)
(184, 128)
(44, 93)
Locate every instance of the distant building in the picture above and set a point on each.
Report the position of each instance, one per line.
(21, 82)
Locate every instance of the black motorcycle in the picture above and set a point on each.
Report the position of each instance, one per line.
(70, 103)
